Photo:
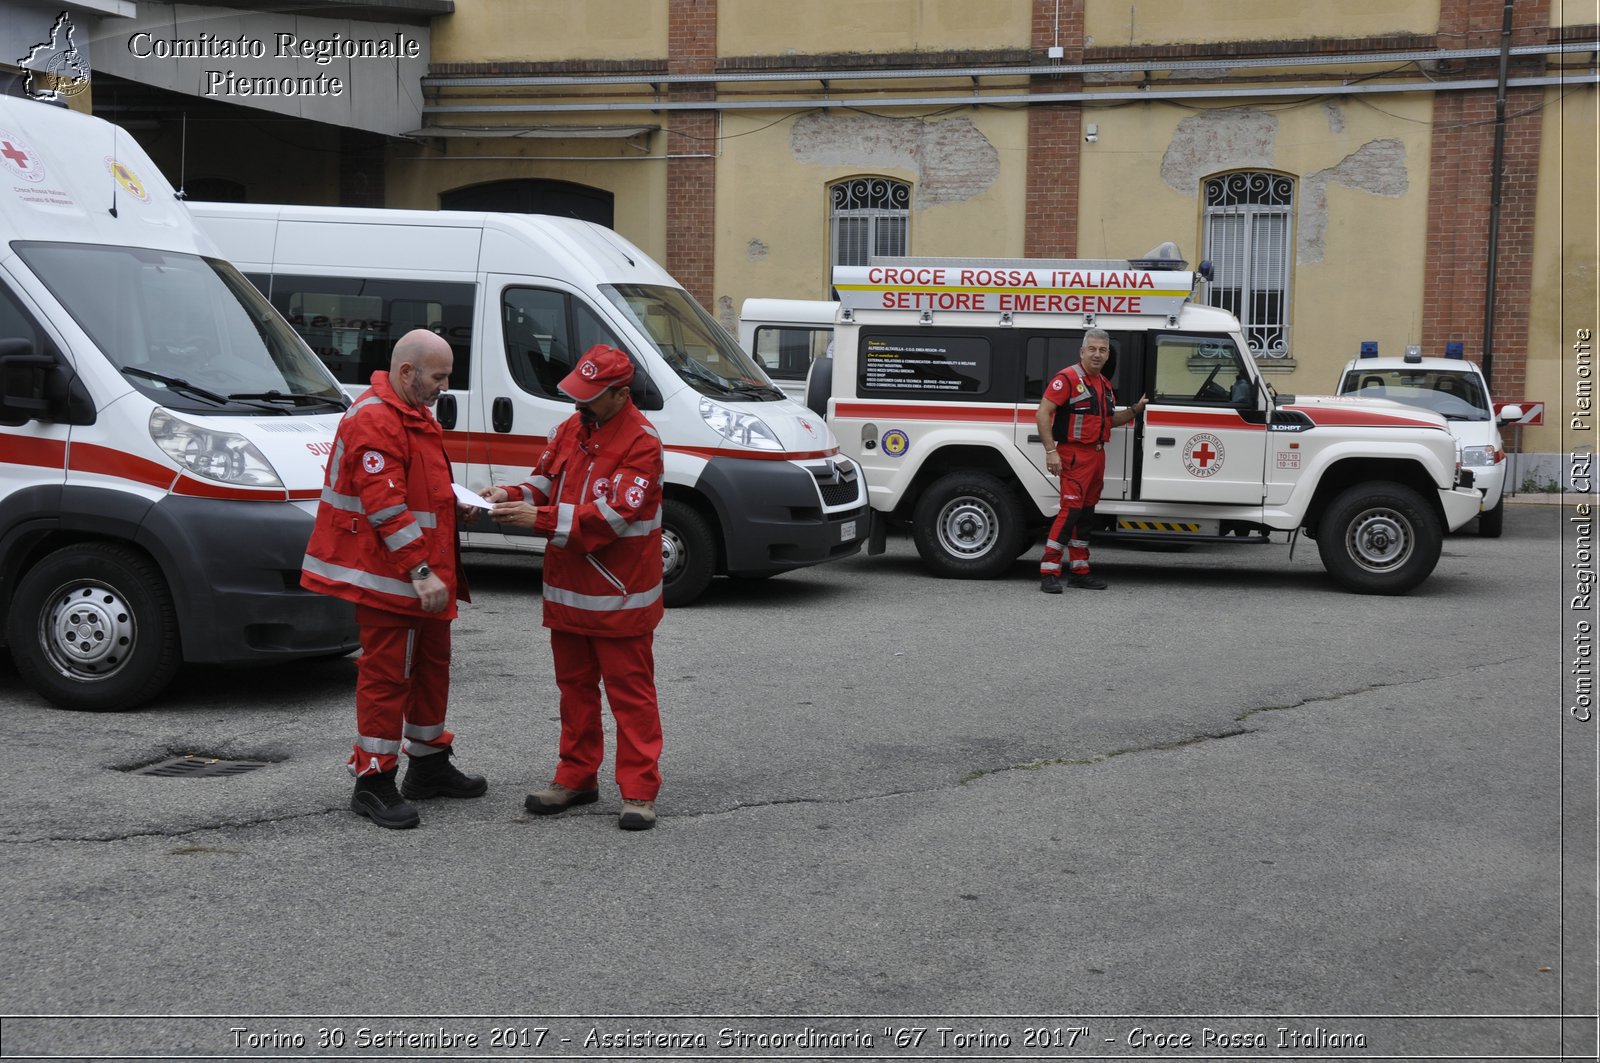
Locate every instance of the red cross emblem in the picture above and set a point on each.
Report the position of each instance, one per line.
(15, 154)
(1204, 454)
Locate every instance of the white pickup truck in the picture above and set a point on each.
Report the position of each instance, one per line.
(938, 367)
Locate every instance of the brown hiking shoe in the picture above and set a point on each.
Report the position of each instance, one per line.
(637, 815)
(557, 798)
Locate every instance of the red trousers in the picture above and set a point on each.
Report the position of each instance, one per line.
(627, 667)
(1083, 474)
(402, 689)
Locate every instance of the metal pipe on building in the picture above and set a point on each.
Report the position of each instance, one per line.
(1496, 181)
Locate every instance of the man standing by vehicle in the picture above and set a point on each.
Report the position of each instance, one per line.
(1075, 450)
(385, 539)
(596, 492)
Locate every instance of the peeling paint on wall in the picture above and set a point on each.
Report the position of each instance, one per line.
(953, 161)
(1335, 112)
(1217, 140)
(756, 250)
(1378, 167)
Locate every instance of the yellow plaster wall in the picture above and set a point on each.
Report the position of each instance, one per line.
(831, 26)
(1355, 292)
(542, 31)
(1564, 296)
(1113, 23)
(773, 211)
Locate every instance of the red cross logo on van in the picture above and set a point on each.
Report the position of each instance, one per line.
(15, 156)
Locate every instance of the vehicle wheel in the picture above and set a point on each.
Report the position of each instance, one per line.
(1380, 538)
(968, 525)
(688, 553)
(93, 628)
(1491, 522)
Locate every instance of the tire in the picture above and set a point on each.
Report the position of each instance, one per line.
(688, 553)
(1491, 522)
(93, 628)
(1380, 538)
(968, 525)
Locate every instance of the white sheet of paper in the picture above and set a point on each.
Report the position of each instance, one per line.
(467, 498)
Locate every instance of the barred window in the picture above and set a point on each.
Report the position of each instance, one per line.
(1248, 228)
(871, 216)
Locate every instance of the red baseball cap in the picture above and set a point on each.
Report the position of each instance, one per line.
(601, 367)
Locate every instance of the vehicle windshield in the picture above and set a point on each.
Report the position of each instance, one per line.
(190, 332)
(698, 349)
(1455, 395)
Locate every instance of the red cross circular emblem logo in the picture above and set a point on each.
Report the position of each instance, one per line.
(16, 157)
(588, 370)
(372, 461)
(1203, 455)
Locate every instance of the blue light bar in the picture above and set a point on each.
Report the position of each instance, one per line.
(1369, 348)
(1453, 349)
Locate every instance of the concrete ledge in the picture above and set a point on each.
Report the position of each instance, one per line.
(1569, 498)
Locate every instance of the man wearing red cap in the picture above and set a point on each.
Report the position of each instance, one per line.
(385, 539)
(596, 492)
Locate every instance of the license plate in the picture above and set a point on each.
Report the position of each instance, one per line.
(847, 531)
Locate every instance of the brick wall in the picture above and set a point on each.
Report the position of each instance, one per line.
(692, 182)
(1459, 199)
(1055, 136)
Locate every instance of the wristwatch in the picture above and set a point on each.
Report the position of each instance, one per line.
(422, 571)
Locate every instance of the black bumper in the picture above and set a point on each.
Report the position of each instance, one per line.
(234, 571)
(773, 516)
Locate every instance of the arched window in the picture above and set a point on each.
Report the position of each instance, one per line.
(870, 216)
(1248, 224)
(534, 196)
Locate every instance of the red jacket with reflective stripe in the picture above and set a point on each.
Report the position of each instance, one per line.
(1084, 405)
(599, 494)
(387, 506)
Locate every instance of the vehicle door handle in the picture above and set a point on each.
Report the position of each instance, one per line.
(500, 414)
(1033, 437)
(1166, 441)
(445, 410)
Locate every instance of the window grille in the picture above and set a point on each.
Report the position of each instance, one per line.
(1248, 240)
(871, 216)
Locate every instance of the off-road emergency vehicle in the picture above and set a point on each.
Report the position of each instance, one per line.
(937, 372)
(162, 431)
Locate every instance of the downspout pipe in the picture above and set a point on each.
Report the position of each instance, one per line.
(1496, 181)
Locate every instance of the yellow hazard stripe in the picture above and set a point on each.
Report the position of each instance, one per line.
(1156, 525)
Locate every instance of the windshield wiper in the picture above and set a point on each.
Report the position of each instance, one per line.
(177, 384)
(295, 398)
(759, 391)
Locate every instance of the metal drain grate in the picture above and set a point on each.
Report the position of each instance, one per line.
(198, 767)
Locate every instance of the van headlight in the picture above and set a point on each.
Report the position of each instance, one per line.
(222, 456)
(743, 428)
(1471, 456)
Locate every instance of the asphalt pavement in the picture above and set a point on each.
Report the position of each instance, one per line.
(1216, 808)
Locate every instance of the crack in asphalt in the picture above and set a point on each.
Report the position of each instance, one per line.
(1030, 765)
(185, 832)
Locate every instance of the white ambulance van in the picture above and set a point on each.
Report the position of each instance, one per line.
(937, 373)
(162, 431)
(785, 336)
(755, 483)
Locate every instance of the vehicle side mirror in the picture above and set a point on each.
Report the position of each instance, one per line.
(646, 395)
(37, 387)
(1509, 414)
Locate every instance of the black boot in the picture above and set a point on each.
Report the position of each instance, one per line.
(376, 798)
(434, 776)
